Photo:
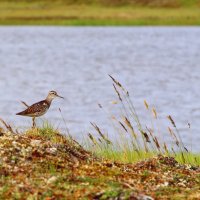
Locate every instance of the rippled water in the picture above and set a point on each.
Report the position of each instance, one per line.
(161, 65)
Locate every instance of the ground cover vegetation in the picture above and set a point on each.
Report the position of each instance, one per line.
(43, 163)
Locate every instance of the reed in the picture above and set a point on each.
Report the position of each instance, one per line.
(134, 140)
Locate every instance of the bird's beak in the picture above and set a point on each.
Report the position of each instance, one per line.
(60, 97)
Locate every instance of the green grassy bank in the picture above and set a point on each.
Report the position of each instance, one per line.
(43, 164)
(99, 12)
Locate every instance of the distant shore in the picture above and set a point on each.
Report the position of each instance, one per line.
(35, 13)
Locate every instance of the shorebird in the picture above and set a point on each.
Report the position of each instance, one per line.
(40, 108)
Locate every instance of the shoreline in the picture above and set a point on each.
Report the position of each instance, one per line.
(95, 15)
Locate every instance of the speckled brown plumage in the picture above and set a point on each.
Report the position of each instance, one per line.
(40, 108)
(36, 110)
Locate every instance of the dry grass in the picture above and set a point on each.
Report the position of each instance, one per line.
(136, 141)
(42, 164)
(34, 166)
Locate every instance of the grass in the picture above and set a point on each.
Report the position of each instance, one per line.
(41, 163)
(60, 13)
(135, 141)
(47, 131)
(34, 166)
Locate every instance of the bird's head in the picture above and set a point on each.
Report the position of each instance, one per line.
(52, 95)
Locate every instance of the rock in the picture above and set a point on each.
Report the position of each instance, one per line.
(52, 150)
(52, 180)
(35, 143)
(144, 197)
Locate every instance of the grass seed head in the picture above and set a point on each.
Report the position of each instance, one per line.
(154, 113)
(128, 123)
(92, 138)
(156, 143)
(116, 82)
(122, 125)
(100, 133)
(146, 137)
(165, 147)
(118, 94)
(146, 105)
(171, 120)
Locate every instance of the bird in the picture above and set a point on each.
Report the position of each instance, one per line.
(40, 108)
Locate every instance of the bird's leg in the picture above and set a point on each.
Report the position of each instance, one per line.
(34, 124)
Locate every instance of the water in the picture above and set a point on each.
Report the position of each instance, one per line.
(161, 65)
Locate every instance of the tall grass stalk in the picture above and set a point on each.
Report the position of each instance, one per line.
(136, 142)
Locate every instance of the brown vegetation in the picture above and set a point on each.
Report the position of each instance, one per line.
(46, 165)
(151, 3)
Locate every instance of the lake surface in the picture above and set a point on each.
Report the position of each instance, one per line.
(159, 64)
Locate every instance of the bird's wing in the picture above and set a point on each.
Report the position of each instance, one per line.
(35, 108)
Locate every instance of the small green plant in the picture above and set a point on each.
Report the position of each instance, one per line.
(47, 131)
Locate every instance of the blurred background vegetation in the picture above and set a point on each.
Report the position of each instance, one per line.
(149, 3)
(99, 12)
